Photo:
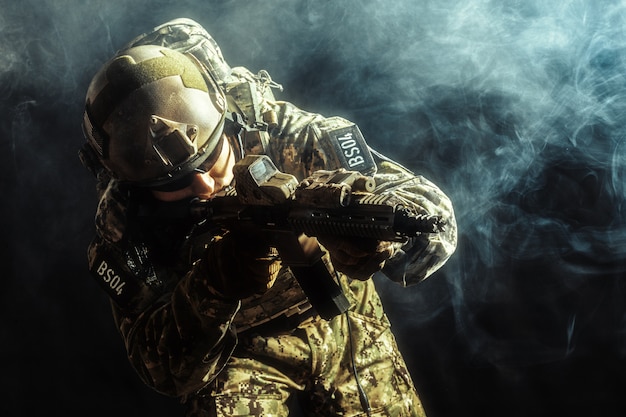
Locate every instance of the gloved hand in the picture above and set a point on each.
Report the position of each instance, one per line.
(357, 257)
(240, 265)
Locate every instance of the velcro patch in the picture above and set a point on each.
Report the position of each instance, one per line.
(350, 149)
(121, 285)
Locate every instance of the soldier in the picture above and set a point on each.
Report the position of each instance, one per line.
(215, 317)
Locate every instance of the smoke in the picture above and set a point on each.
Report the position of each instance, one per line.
(529, 143)
(514, 108)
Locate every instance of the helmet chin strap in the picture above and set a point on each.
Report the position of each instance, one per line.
(237, 144)
(233, 126)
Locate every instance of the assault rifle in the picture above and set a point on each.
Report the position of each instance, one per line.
(330, 203)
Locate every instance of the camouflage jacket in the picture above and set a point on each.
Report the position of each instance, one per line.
(178, 330)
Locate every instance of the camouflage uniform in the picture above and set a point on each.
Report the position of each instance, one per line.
(227, 357)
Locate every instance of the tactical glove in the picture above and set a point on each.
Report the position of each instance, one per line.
(240, 265)
(356, 257)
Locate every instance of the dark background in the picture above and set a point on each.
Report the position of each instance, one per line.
(514, 108)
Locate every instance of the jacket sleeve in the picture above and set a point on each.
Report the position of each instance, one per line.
(176, 327)
(421, 256)
(297, 145)
(182, 341)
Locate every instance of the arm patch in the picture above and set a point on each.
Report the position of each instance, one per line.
(347, 146)
(128, 278)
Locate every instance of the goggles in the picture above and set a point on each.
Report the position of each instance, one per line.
(186, 180)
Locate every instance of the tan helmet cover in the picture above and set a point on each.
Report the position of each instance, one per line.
(153, 115)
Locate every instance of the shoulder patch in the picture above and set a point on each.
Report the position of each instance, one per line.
(349, 148)
(126, 278)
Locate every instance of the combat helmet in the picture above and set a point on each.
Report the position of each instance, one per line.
(153, 115)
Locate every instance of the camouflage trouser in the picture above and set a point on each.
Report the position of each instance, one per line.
(315, 363)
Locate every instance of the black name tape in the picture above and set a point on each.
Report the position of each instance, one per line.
(350, 149)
